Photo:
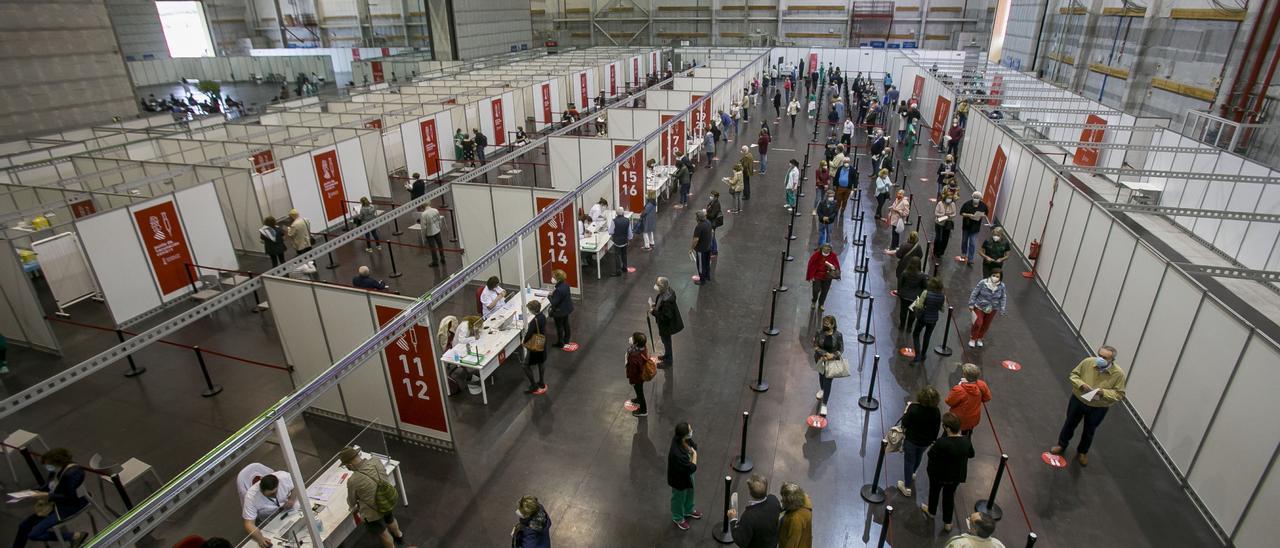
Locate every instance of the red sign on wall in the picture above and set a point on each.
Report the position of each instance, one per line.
(994, 177)
(411, 364)
(1085, 155)
(630, 178)
(499, 123)
(386, 52)
(653, 63)
(701, 115)
(430, 146)
(613, 79)
(82, 208)
(941, 112)
(813, 63)
(355, 53)
(546, 103)
(264, 161)
(558, 243)
(166, 245)
(378, 77)
(635, 71)
(582, 85)
(672, 139)
(917, 90)
(665, 156)
(375, 123)
(329, 177)
(997, 82)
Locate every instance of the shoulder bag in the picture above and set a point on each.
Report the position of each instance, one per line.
(537, 342)
(897, 434)
(836, 368)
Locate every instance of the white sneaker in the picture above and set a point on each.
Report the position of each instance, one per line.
(972, 343)
(819, 396)
(902, 486)
(979, 343)
(822, 410)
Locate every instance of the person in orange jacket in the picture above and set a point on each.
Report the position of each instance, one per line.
(967, 397)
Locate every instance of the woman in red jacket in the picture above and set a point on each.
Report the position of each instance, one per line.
(824, 266)
(966, 398)
(637, 356)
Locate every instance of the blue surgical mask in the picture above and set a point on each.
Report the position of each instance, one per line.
(1101, 363)
(51, 468)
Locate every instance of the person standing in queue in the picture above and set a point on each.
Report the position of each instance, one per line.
(966, 398)
(795, 526)
(824, 267)
(946, 169)
(927, 311)
(987, 297)
(982, 528)
(637, 358)
(793, 108)
(368, 491)
(621, 234)
(792, 185)
(561, 306)
(649, 220)
(828, 213)
(1097, 383)
(944, 213)
(884, 185)
(762, 145)
(682, 463)
(709, 147)
(899, 211)
(299, 232)
(845, 178)
(828, 344)
(994, 252)
(701, 247)
(973, 213)
(534, 528)
(920, 422)
(272, 237)
(948, 468)
(666, 311)
(911, 282)
(758, 526)
(821, 182)
(367, 213)
(716, 215)
(684, 177)
(535, 348)
(909, 249)
(748, 165)
(432, 224)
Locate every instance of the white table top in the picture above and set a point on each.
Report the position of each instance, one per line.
(1154, 184)
(328, 494)
(493, 338)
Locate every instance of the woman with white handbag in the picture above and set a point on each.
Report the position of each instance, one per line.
(828, 345)
(919, 423)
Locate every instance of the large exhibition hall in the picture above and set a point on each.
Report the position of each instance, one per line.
(639, 273)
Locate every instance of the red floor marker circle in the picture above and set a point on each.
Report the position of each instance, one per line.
(696, 278)
(571, 347)
(907, 351)
(1011, 365)
(960, 258)
(540, 391)
(1056, 461)
(922, 179)
(890, 251)
(630, 405)
(816, 421)
(893, 292)
(631, 269)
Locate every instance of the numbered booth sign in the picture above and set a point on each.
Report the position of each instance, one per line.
(558, 243)
(630, 178)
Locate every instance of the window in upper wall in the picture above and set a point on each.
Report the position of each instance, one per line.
(185, 28)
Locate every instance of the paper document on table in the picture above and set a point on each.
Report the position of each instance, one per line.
(320, 492)
(23, 495)
(1090, 395)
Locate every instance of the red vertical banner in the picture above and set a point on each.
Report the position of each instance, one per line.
(813, 62)
(653, 63)
(430, 146)
(941, 112)
(329, 177)
(375, 123)
(917, 89)
(499, 123)
(378, 77)
(355, 53)
(997, 82)
(664, 154)
(677, 138)
(264, 161)
(1086, 155)
(582, 85)
(635, 71)
(415, 383)
(613, 79)
(630, 178)
(166, 245)
(699, 117)
(558, 242)
(547, 103)
(82, 208)
(994, 178)
(386, 52)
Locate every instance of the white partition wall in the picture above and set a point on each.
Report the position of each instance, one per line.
(323, 182)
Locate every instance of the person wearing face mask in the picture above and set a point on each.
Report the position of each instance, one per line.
(666, 311)
(828, 344)
(956, 134)
(263, 499)
(946, 169)
(948, 468)
(985, 300)
(1097, 383)
(367, 484)
(637, 357)
(682, 462)
(824, 267)
(821, 182)
(884, 185)
(828, 213)
(966, 398)
(981, 528)
(534, 528)
(973, 213)
(56, 500)
(994, 252)
(944, 213)
(898, 214)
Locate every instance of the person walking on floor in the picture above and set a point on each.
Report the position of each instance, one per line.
(920, 423)
(748, 164)
(684, 177)
(824, 267)
(736, 184)
(762, 145)
(535, 349)
(682, 463)
(972, 214)
(954, 136)
(481, 141)
(777, 103)
(899, 212)
(272, 237)
(365, 487)
(534, 528)
(884, 185)
(649, 220)
(927, 311)
(758, 525)
(844, 179)
(299, 232)
(994, 252)
(846, 136)
(821, 182)
(637, 359)
(987, 297)
(1097, 383)
(367, 213)
(966, 398)
(793, 108)
(795, 527)
(432, 224)
(948, 468)
(828, 344)
(981, 528)
(793, 184)
(944, 219)
(701, 247)
(828, 214)
(911, 282)
(561, 305)
(912, 138)
(666, 311)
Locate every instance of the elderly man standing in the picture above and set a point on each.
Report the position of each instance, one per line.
(1097, 383)
(299, 232)
(748, 163)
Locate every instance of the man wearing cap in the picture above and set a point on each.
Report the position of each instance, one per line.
(362, 487)
(299, 232)
(972, 212)
(1097, 383)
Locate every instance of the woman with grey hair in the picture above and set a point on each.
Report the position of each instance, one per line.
(795, 525)
(666, 311)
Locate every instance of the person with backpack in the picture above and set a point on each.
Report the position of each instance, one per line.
(371, 494)
(664, 308)
(639, 371)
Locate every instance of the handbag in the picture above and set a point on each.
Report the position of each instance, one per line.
(537, 342)
(918, 304)
(833, 273)
(897, 434)
(837, 368)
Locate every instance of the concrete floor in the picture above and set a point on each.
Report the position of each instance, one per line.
(600, 472)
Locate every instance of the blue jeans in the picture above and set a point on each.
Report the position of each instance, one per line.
(1077, 411)
(824, 232)
(818, 195)
(969, 244)
(911, 455)
(684, 193)
(764, 162)
(38, 528)
(824, 382)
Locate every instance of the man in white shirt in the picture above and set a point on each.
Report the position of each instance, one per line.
(432, 222)
(847, 137)
(263, 499)
(492, 297)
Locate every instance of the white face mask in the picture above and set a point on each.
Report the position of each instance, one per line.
(995, 238)
(519, 515)
(656, 288)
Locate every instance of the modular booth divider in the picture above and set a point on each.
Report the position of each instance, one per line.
(228, 69)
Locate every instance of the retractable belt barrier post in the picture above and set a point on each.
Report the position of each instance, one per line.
(884, 526)
(782, 272)
(866, 337)
(395, 223)
(211, 389)
(391, 252)
(790, 236)
(1031, 539)
(989, 506)
(743, 463)
(869, 401)
(134, 370)
(872, 492)
(191, 279)
(862, 293)
(31, 465)
(760, 385)
(724, 535)
(862, 265)
(329, 254)
(773, 307)
(943, 349)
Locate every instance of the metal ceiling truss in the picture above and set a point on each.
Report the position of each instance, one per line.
(1265, 276)
(1169, 174)
(1168, 211)
(1121, 146)
(1077, 125)
(1052, 110)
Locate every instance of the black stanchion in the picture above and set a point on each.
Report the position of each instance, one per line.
(395, 223)
(859, 240)
(391, 252)
(760, 385)
(884, 526)
(869, 401)
(773, 308)
(134, 370)
(872, 492)
(1031, 539)
(943, 349)
(866, 337)
(211, 389)
(863, 264)
(120, 490)
(743, 463)
(912, 199)
(782, 271)
(924, 261)
(36, 470)
(190, 278)
(724, 535)
(332, 264)
(862, 284)
(787, 253)
(989, 506)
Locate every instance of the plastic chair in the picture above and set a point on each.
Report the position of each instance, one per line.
(63, 527)
(20, 439)
(129, 472)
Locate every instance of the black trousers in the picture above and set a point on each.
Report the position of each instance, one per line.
(820, 289)
(528, 372)
(1077, 411)
(668, 352)
(746, 185)
(621, 250)
(880, 200)
(436, 245)
(948, 492)
(562, 329)
(639, 399)
(941, 234)
(906, 318)
(922, 345)
(277, 259)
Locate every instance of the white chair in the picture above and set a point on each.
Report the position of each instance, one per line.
(129, 472)
(15, 442)
(63, 527)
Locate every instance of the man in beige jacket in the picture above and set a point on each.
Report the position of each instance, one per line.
(362, 488)
(299, 232)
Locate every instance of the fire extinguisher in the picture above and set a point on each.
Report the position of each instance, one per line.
(1032, 255)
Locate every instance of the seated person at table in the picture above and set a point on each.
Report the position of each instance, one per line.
(521, 137)
(263, 499)
(584, 223)
(364, 281)
(467, 331)
(58, 499)
(598, 211)
(492, 297)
